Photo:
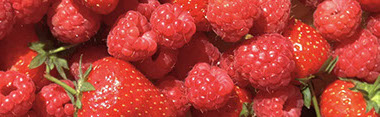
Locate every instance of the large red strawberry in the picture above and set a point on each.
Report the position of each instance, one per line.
(100, 6)
(121, 90)
(310, 49)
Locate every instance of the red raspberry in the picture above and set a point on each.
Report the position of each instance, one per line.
(72, 23)
(131, 38)
(90, 54)
(146, 7)
(373, 24)
(30, 11)
(267, 61)
(175, 91)
(232, 19)
(227, 63)
(274, 17)
(359, 57)
(174, 25)
(199, 49)
(122, 7)
(100, 6)
(6, 19)
(337, 20)
(285, 102)
(197, 9)
(53, 101)
(370, 5)
(311, 3)
(208, 87)
(160, 64)
(16, 94)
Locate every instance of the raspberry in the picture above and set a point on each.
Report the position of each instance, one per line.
(208, 87)
(359, 57)
(337, 20)
(232, 19)
(285, 102)
(199, 49)
(174, 25)
(122, 7)
(227, 63)
(16, 93)
(100, 6)
(370, 5)
(90, 54)
(176, 91)
(197, 9)
(6, 19)
(373, 24)
(274, 17)
(147, 7)
(311, 3)
(267, 61)
(131, 38)
(53, 100)
(72, 23)
(30, 11)
(158, 65)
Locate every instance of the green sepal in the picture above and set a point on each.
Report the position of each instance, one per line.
(86, 86)
(87, 72)
(331, 65)
(307, 97)
(306, 80)
(38, 60)
(38, 47)
(325, 64)
(244, 111)
(71, 96)
(78, 103)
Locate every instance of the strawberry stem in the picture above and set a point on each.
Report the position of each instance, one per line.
(60, 49)
(64, 85)
(314, 100)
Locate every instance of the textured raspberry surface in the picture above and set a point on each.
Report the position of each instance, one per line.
(53, 100)
(232, 19)
(30, 11)
(6, 18)
(160, 64)
(100, 6)
(146, 7)
(370, 5)
(359, 57)
(274, 16)
(71, 22)
(174, 25)
(16, 94)
(197, 9)
(285, 102)
(176, 91)
(131, 38)
(266, 61)
(199, 49)
(208, 87)
(337, 20)
(227, 63)
(373, 24)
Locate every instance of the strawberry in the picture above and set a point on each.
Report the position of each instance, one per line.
(121, 90)
(100, 6)
(310, 49)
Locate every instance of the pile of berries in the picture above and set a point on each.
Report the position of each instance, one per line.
(189, 58)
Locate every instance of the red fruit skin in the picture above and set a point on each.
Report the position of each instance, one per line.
(232, 108)
(176, 91)
(174, 25)
(266, 61)
(131, 39)
(16, 55)
(30, 11)
(121, 90)
(284, 102)
(71, 22)
(53, 101)
(100, 6)
(122, 7)
(90, 54)
(373, 24)
(336, 20)
(232, 19)
(6, 19)
(156, 67)
(197, 9)
(310, 49)
(227, 63)
(208, 87)
(274, 16)
(370, 5)
(358, 57)
(17, 94)
(199, 49)
(338, 101)
(147, 8)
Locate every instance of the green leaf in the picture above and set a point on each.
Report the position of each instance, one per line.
(38, 61)
(331, 65)
(325, 64)
(58, 64)
(245, 110)
(38, 47)
(87, 72)
(62, 62)
(307, 97)
(86, 86)
(71, 96)
(304, 81)
(78, 103)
